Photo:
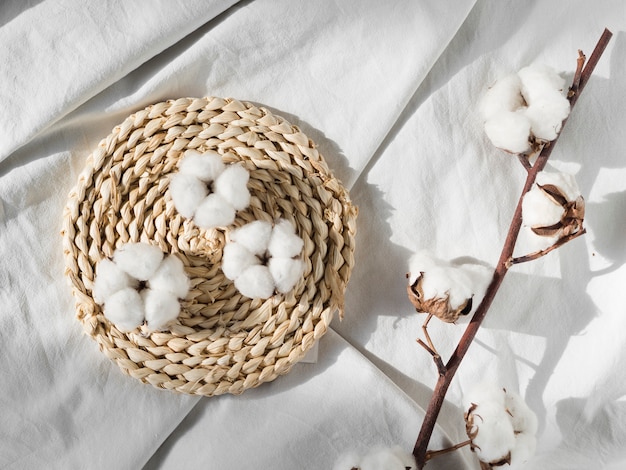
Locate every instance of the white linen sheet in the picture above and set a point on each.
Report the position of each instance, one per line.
(388, 91)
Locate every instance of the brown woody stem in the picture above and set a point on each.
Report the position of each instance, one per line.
(431, 454)
(443, 382)
(538, 254)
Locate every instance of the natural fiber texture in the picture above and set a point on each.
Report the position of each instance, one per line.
(222, 341)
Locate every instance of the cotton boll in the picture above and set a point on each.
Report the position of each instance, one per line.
(525, 446)
(509, 131)
(436, 282)
(484, 392)
(495, 437)
(236, 259)
(109, 280)
(566, 182)
(171, 277)
(206, 167)
(284, 243)
(421, 262)
(213, 212)
(522, 417)
(538, 80)
(347, 461)
(286, 273)
(139, 260)
(232, 185)
(256, 282)
(160, 308)
(504, 95)
(125, 309)
(538, 210)
(187, 193)
(546, 116)
(255, 236)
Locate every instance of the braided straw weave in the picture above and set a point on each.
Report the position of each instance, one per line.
(222, 342)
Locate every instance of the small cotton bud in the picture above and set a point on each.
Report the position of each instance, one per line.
(170, 277)
(187, 193)
(236, 259)
(161, 308)
(109, 280)
(232, 186)
(214, 212)
(286, 273)
(256, 282)
(125, 309)
(203, 166)
(139, 260)
(284, 243)
(255, 236)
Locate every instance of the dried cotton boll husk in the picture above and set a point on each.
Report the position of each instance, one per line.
(109, 280)
(160, 308)
(256, 282)
(236, 259)
(284, 243)
(125, 309)
(213, 212)
(204, 166)
(187, 193)
(139, 260)
(286, 273)
(509, 131)
(255, 236)
(232, 186)
(171, 277)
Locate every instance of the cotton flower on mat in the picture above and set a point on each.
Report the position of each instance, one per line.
(444, 289)
(393, 458)
(208, 190)
(526, 109)
(261, 258)
(553, 208)
(140, 285)
(500, 425)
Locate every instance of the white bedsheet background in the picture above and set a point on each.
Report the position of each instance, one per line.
(388, 91)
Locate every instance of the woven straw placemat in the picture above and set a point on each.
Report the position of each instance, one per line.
(222, 342)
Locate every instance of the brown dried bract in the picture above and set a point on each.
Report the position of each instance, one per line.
(572, 218)
(439, 306)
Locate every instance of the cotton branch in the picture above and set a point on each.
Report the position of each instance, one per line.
(581, 79)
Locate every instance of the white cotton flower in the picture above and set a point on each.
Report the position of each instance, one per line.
(286, 272)
(170, 277)
(125, 309)
(256, 282)
(139, 260)
(524, 108)
(187, 192)
(259, 245)
(236, 259)
(109, 280)
(214, 211)
(161, 307)
(232, 186)
(393, 458)
(128, 302)
(209, 191)
(445, 289)
(255, 236)
(205, 166)
(284, 242)
(500, 425)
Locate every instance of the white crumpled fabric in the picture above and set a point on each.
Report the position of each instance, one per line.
(388, 91)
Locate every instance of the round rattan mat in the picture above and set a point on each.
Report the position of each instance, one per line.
(222, 342)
